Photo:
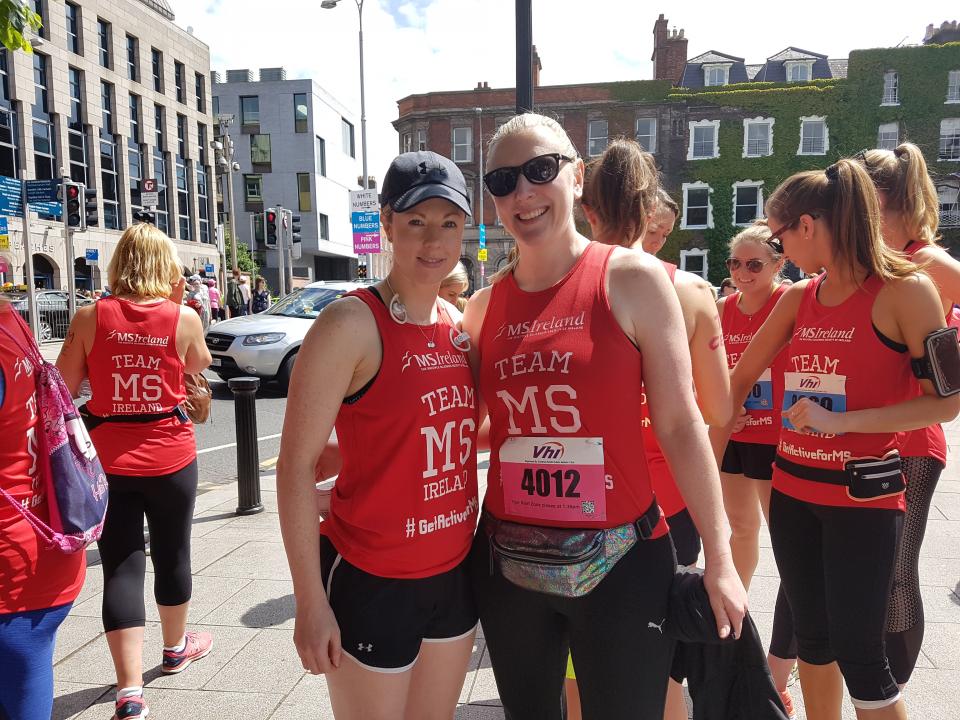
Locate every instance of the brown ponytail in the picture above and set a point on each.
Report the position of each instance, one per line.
(845, 197)
(902, 175)
(621, 188)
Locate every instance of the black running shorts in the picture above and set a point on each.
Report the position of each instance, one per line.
(752, 460)
(383, 621)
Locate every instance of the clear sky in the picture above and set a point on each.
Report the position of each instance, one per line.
(417, 46)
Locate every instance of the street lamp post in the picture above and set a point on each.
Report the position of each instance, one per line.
(329, 5)
(479, 223)
(224, 148)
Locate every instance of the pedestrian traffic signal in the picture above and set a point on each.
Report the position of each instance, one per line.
(90, 217)
(362, 271)
(70, 194)
(295, 228)
(270, 223)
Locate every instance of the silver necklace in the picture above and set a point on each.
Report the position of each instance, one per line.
(398, 311)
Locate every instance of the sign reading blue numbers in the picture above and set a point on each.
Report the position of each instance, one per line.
(828, 391)
(761, 396)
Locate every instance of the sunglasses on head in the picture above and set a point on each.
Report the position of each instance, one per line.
(539, 170)
(753, 264)
(775, 241)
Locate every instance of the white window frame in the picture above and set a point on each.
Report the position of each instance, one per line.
(462, 151)
(421, 139)
(953, 87)
(406, 142)
(652, 149)
(594, 139)
(747, 123)
(708, 68)
(695, 253)
(789, 65)
(949, 129)
(948, 196)
(826, 133)
(687, 187)
(883, 136)
(891, 88)
(715, 124)
(758, 184)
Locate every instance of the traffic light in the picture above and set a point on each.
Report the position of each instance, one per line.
(70, 197)
(90, 217)
(295, 228)
(270, 223)
(145, 216)
(362, 271)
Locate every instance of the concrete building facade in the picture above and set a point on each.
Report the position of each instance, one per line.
(297, 146)
(114, 93)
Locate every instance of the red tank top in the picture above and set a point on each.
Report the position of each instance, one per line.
(563, 385)
(929, 441)
(763, 403)
(135, 369)
(662, 480)
(32, 577)
(405, 502)
(837, 359)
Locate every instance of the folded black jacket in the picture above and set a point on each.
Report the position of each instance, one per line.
(727, 679)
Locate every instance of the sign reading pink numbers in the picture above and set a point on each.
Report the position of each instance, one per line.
(554, 478)
(365, 218)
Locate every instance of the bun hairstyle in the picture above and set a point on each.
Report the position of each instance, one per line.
(621, 188)
(902, 176)
(758, 233)
(665, 202)
(845, 197)
(518, 124)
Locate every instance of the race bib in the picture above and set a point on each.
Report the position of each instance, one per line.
(552, 478)
(828, 391)
(761, 396)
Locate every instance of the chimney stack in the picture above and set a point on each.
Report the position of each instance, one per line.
(669, 51)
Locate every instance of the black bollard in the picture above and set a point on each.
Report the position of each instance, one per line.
(244, 391)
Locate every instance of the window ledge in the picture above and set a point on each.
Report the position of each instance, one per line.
(824, 152)
(942, 159)
(890, 104)
(705, 157)
(952, 102)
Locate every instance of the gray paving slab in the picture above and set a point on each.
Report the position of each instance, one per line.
(177, 704)
(75, 632)
(929, 695)
(227, 643)
(94, 580)
(70, 699)
(763, 593)
(484, 688)
(940, 604)
(258, 604)
(475, 656)
(479, 712)
(941, 643)
(311, 692)
(253, 560)
(205, 551)
(207, 521)
(268, 663)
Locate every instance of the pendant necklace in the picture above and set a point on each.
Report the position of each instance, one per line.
(398, 311)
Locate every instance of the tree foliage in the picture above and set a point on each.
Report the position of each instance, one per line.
(16, 22)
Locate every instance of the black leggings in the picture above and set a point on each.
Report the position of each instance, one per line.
(836, 566)
(783, 641)
(167, 501)
(614, 634)
(905, 614)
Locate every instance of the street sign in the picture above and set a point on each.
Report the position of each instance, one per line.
(482, 230)
(208, 267)
(42, 191)
(93, 256)
(149, 197)
(11, 197)
(365, 218)
(4, 234)
(482, 254)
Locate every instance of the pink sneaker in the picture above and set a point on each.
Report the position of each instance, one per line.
(198, 645)
(131, 708)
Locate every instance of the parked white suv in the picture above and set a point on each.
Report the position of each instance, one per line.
(265, 345)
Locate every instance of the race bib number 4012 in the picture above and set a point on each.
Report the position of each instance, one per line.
(828, 391)
(554, 478)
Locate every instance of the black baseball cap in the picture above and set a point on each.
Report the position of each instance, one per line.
(417, 176)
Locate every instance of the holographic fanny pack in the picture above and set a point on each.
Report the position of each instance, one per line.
(568, 562)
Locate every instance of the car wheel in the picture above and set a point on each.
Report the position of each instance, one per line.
(286, 371)
(46, 331)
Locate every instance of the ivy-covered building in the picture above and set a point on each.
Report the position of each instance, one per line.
(724, 132)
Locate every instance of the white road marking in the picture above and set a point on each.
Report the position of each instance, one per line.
(233, 444)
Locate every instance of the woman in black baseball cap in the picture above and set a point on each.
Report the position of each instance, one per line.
(384, 603)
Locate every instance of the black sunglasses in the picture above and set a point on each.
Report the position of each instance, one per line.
(539, 170)
(776, 242)
(753, 264)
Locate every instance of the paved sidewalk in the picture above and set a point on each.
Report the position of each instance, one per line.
(243, 595)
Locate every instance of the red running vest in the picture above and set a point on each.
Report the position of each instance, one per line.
(837, 359)
(763, 404)
(929, 441)
(134, 369)
(32, 577)
(664, 484)
(563, 384)
(405, 502)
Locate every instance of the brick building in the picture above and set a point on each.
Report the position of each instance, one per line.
(686, 117)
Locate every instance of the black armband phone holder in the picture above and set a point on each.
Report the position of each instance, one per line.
(940, 363)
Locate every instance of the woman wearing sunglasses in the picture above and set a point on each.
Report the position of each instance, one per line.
(836, 509)
(614, 193)
(909, 210)
(573, 552)
(747, 465)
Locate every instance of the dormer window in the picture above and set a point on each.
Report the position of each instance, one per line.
(799, 70)
(714, 75)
